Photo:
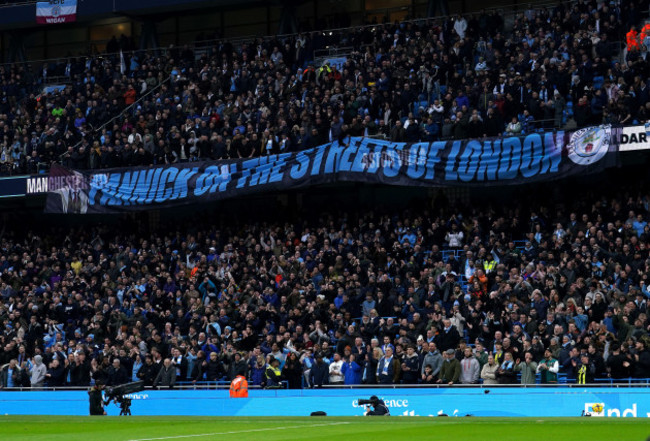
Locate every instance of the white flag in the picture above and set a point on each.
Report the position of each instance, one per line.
(122, 63)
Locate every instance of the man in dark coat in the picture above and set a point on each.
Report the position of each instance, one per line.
(319, 374)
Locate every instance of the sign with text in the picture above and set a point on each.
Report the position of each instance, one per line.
(56, 11)
(478, 162)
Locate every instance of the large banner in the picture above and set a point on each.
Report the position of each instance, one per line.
(497, 161)
(613, 402)
(56, 11)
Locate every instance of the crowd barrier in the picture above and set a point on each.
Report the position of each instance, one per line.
(625, 402)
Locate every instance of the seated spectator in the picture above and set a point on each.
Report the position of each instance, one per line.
(514, 127)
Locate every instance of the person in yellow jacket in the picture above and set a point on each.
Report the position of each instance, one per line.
(273, 374)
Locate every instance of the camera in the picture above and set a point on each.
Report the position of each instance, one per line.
(370, 402)
(118, 394)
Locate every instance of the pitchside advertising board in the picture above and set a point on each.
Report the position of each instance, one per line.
(515, 160)
(632, 402)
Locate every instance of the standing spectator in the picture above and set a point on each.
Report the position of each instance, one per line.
(489, 371)
(410, 366)
(80, 370)
(257, 371)
(137, 365)
(450, 370)
(292, 371)
(448, 337)
(351, 371)
(372, 360)
(167, 375)
(388, 368)
(117, 374)
(319, 374)
(55, 375)
(470, 368)
(433, 359)
(336, 370)
(528, 369)
(642, 359)
(214, 369)
(38, 372)
(618, 365)
(548, 367)
(10, 375)
(506, 373)
(147, 371)
(179, 361)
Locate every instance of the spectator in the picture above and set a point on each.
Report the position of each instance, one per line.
(38, 372)
(55, 374)
(506, 372)
(291, 371)
(147, 371)
(388, 368)
(470, 369)
(10, 375)
(489, 371)
(166, 376)
(319, 374)
(351, 371)
(433, 359)
(549, 368)
(410, 366)
(117, 374)
(527, 368)
(450, 370)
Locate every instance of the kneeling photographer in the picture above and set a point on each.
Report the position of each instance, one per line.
(378, 406)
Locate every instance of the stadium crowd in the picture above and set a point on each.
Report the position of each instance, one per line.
(458, 77)
(438, 295)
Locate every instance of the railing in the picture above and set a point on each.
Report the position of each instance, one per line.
(123, 112)
(212, 385)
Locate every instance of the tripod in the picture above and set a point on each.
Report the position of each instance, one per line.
(124, 405)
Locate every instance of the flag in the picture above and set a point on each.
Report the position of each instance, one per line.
(122, 63)
(62, 11)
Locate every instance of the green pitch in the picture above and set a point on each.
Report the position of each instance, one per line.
(51, 428)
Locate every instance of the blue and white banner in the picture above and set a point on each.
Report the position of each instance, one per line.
(495, 161)
(632, 402)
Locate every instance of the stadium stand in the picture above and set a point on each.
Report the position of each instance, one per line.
(456, 77)
(219, 301)
(525, 292)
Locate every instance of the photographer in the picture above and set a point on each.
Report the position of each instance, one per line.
(95, 398)
(378, 407)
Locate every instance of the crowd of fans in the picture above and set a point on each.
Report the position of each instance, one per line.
(444, 295)
(458, 77)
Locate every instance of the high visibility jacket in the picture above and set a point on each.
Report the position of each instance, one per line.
(239, 387)
(645, 33)
(632, 40)
(489, 266)
(273, 376)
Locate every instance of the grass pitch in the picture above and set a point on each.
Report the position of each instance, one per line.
(137, 428)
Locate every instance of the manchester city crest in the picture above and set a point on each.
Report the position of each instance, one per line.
(589, 145)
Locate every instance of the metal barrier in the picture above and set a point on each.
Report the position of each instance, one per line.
(212, 385)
